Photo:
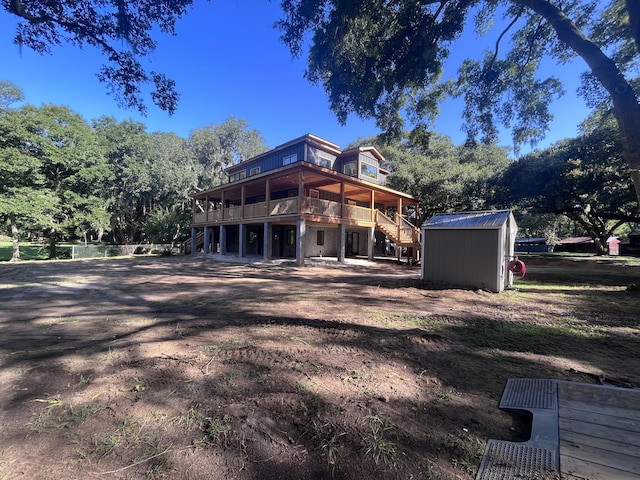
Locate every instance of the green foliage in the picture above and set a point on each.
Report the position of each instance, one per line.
(53, 167)
(9, 94)
(121, 31)
(443, 176)
(584, 179)
(64, 178)
(384, 60)
(216, 147)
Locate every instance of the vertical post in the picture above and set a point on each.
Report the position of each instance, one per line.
(194, 240)
(301, 227)
(342, 241)
(342, 199)
(371, 238)
(207, 239)
(397, 221)
(242, 200)
(267, 241)
(267, 196)
(242, 249)
(223, 239)
(373, 205)
(301, 197)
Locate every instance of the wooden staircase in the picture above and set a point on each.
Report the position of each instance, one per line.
(185, 247)
(399, 231)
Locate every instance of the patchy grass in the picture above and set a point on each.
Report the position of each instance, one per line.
(189, 368)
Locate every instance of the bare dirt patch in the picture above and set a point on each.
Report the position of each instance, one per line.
(191, 368)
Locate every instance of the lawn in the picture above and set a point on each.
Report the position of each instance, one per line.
(28, 251)
(192, 368)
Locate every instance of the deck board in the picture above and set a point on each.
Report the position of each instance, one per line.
(599, 431)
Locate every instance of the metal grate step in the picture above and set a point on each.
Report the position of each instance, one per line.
(509, 461)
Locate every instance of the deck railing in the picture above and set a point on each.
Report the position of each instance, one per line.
(407, 232)
(255, 210)
(357, 213)
(287, 206)
(317, 206)
(199, 217)
(215, 215)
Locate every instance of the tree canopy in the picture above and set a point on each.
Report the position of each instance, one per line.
(385, 59)
(65, 178)
(53, 169)
(445, 177)
(121, 30)
(584, 178)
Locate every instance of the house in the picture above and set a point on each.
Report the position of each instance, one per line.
(305, 198)
(469, 249)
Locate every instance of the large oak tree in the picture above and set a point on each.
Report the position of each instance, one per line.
(384, 59)
(584, 179)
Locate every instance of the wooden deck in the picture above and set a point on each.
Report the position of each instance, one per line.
(599, 430)
(579, 431)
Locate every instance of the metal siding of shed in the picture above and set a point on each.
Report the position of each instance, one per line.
(463, 257)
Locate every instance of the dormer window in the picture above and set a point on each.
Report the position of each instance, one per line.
(368, 171)
(350, 169)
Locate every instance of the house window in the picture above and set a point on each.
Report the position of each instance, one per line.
(313, 193)
(254, 171)
(238, 176)
(350, 169)
(291, 236)
(253, 236)
(289, 159)
(324, 161)
(320, 237)
(367, 170)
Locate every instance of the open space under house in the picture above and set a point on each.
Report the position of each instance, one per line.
(306, 198)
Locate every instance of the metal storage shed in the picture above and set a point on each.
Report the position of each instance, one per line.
(470, 249)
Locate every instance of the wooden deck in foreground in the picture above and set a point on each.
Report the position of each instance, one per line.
(579, 431)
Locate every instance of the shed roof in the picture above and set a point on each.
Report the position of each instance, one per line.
(481, 219)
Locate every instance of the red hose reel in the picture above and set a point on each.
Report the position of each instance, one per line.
(517, 267)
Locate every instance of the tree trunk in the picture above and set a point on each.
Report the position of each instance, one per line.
(15, 240)
(53, 252)
(625, 104)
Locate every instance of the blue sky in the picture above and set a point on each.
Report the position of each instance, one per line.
(227, 59)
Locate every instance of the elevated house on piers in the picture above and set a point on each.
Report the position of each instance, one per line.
(305, 198)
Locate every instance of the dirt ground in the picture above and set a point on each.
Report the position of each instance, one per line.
(193, 368)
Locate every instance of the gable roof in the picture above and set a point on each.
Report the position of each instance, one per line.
(480, 219)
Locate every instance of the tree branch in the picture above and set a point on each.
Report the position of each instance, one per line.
(504, 32)
(633, 7)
